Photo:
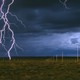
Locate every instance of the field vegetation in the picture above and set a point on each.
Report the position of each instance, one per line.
(46, 68)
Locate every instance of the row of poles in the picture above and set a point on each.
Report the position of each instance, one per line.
(77, 56)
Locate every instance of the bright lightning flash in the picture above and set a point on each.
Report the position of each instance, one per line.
(8, 26)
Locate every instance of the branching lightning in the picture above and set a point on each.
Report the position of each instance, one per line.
(8, 26)
(64, 3)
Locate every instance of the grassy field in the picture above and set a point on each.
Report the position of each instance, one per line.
(40, 69)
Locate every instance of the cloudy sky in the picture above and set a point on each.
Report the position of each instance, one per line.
(49, 29)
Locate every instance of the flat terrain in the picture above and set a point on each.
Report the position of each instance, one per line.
(39, 69)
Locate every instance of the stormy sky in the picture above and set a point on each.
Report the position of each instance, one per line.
(49, 29)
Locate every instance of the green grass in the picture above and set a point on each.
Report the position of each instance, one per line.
(40, 69)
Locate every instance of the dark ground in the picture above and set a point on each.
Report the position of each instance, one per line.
(45, 68)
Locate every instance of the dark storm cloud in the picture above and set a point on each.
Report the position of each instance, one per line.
(44, 3)
(74, 40)
(49, 15)
(33, 3)
(45, 20)
(39, 20)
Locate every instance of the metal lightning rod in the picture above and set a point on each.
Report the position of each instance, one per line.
(77, 54)
(56, 58)
(62, 56)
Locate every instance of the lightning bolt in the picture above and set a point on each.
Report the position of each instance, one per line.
(8, 26)
(64, 3)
